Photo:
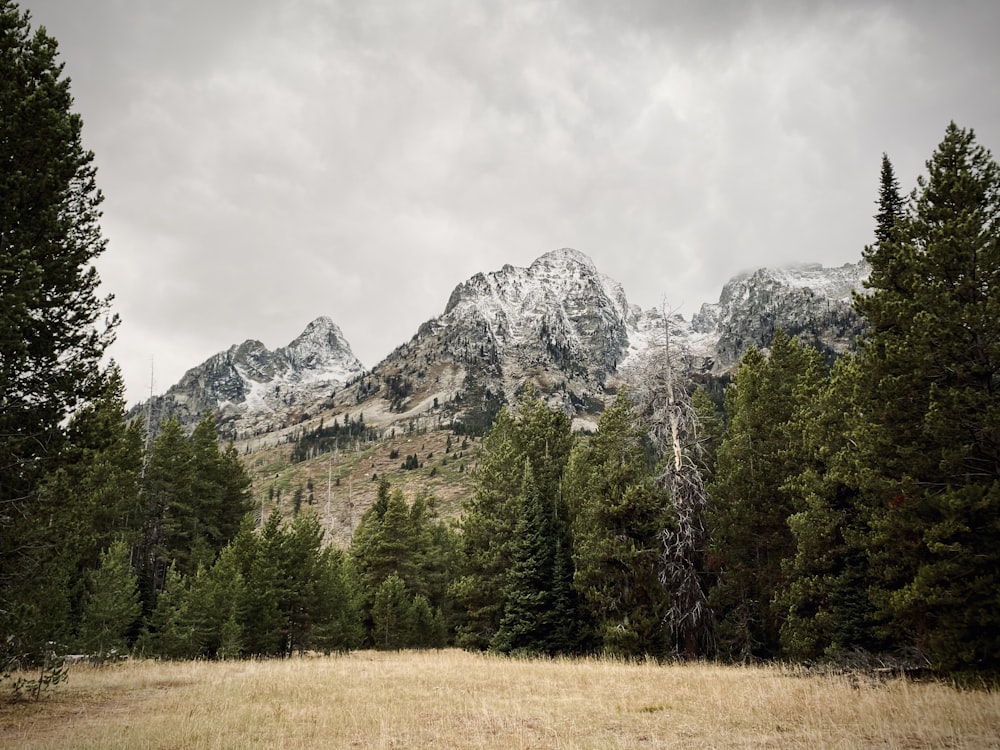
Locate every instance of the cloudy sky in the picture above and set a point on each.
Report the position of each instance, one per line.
(267, 162)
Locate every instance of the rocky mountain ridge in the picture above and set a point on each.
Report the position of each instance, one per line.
(249, 388)
(558, 324)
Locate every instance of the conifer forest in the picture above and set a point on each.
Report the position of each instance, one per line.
(844, 512)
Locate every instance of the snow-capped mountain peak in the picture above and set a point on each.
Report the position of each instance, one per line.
(248, 387)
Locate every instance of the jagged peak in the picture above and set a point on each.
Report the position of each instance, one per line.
(563, 264)
(321, 329)
(564, 256)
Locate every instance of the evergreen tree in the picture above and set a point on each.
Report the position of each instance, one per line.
(213, 609)
(91, 499)
(53, 329)
(302, 575)
(929, 447)
(544, 438)
(338, 614)
(711, 429)
(824, 597)
(168, 509)
(541, 614)
(891, 210)
(487, 528)
(265, 626)
(391, 612)
(382, 546)
(526, 609)
(407, 541)
(165, 635)
(436, 547)
(111, 607)
(618, 514)
(750, 506)
(221, 488)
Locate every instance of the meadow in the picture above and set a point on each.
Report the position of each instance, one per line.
(454, 699)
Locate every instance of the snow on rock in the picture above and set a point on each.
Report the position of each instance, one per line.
(558, 324)
(251, 388)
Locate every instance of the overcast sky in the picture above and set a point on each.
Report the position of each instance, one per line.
(267, 162)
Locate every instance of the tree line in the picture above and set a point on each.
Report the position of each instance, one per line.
(826, 512)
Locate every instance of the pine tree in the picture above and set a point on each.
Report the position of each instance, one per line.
(391, 612)
(750, 506)
(824, 597)
(487, 528)
(436, 550)
(929, 448)
(382, 546)
(92, 501)
(301, 560)
(541, 437)
(164, 635)
(265, 625)
(54, 328)
(111, 608)
(221, 488)
(526, 620)
(214, 607)
(339, 625)
(618, 514)
(168, 509)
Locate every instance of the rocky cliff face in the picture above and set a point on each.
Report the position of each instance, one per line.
(807, 301)
(250, 388)
(559, 325)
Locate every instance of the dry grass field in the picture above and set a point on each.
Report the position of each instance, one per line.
(453, 699)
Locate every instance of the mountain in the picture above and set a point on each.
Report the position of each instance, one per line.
(570, 332)
(806, 300)
(251, 389)
(559, 325)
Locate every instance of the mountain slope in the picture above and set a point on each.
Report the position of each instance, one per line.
(806, 300)
(252, 389)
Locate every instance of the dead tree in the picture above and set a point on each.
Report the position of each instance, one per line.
(661, 385)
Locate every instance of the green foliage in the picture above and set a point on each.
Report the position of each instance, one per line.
(540, 615)
(327, 439)
(54, 328)
(194, 498)
(618, 513)
(537, 437)
(391, 608)
(928, 443)
(410, 543)
(266, 594)
(750, 506)
(712, 428)
(166, 633)
(111, 607)
(337, 619)
(825, 593)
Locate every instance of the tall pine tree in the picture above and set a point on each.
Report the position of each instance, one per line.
(618, 513)
(54, 328)
(750, 506)
(930, 445)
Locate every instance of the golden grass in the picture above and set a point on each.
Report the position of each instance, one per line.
(453, 699)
